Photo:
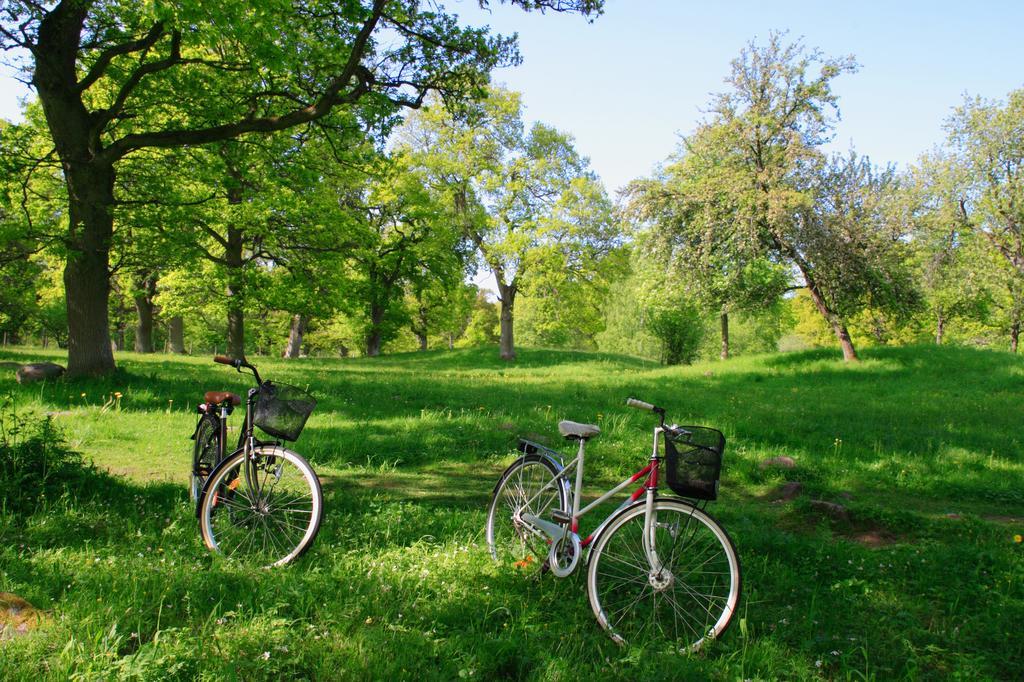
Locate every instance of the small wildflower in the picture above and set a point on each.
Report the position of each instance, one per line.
(369, 620)
(266, 655)
(1018, 538)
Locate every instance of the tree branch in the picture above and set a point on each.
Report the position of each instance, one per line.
(99, 67)
(330, 98)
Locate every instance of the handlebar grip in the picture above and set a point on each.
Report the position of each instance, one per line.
(224, 360)
(639, 404)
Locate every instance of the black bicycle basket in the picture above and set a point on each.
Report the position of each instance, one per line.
(693, 461)
(282, 410)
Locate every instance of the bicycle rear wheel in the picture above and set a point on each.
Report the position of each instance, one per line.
(268, 515)
(204, 454)
(679, 581)
(526, 487)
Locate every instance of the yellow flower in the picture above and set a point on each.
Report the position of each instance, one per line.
(83, 395)
(1018, 538)
(117, 394)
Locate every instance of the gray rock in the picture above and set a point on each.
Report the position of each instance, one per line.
(833, 509)
(787, 491)
(780, 462)
(38, 371)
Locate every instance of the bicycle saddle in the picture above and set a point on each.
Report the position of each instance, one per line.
(218, 397)
(576, 430)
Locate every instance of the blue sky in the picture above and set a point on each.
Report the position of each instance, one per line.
(629, 84)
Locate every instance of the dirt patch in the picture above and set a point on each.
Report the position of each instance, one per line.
(874, 539)
(18, 617)
(1008, 520)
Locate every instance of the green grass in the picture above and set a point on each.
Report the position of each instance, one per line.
(923, 445)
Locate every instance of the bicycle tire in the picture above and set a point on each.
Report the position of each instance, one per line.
(205, 452)
(693, 595)
(508, 541)
(274, 527)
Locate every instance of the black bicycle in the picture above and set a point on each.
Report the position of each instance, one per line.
(261, 502)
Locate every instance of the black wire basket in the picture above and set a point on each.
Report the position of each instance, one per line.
(693, 461)
(282, 410)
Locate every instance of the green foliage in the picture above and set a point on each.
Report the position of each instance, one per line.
(525, 199)
(482, 329)
(985, 140)
(37, 467)
(625, 330)
(679, 329)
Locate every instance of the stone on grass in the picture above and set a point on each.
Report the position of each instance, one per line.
(18, 617)
(38, 371)
(787, 491)
(833, 509)
(781, 462)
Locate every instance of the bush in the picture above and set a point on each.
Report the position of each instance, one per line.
(36, 462)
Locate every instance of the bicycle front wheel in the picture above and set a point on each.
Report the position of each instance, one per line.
(528, 486)
(269, 514)
(676, 580)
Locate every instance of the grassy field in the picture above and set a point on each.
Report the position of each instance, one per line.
(923, 581)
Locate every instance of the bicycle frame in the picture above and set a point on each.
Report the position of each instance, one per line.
(246, 442)
(554, 531)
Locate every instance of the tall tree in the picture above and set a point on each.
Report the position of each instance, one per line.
(782, 200)
(521, 196)
(987, 141)
(401, 237)
(948, 254)
(113, 78)
(684, 223)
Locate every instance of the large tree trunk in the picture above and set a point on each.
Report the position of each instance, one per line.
(940, 328)
(235, 293)
(375, 335)
(507, 293)
(86, 273)
(90, 185)
(419, 328)
(298, 328)
(725, 335)
(1014, 335)
(145, 289)
(833, 318)
(176, 334)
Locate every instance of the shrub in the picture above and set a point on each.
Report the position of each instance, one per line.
(36, 462)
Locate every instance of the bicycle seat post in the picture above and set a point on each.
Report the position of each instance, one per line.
(579, 483)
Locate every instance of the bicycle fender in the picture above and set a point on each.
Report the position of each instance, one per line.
(529, 447)
(199, 423)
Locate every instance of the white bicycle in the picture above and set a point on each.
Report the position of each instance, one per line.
(658, 567)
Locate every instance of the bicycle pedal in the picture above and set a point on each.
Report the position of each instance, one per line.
(561, 517)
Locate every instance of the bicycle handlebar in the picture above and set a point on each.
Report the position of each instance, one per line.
(640, 405)
(238, 363)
